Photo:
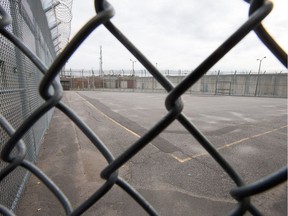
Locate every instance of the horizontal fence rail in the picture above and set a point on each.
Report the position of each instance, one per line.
(15, 149)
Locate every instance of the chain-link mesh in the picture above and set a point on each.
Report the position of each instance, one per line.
(19, 95)
(15, 151)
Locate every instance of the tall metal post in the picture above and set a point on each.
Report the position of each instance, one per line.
(82, 79)
(71, 79)
(101, 63)
(217, 80)
(259, 69)
(88, 80)
(93, 79)
(234, 84)
(133, 73)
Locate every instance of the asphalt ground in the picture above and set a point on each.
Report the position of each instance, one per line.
(174, 173)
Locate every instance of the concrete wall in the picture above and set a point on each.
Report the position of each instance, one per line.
(270, 85)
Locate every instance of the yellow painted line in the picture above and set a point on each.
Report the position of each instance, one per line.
(241, 140)
(228, 145)
(179, 159)
(115, 122)
(251, 137)
(174, 156)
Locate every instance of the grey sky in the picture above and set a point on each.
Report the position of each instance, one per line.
(178, 35)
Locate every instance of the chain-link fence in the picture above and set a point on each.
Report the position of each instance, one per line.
(218, 83)
(15, 148)
(19, 81)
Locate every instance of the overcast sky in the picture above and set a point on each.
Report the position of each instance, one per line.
(178, 35)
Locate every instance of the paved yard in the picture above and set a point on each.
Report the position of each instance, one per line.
(173, 172)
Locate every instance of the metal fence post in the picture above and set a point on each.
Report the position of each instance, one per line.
(217, 79)
(71, 79)
(234, 88)
(82, 80)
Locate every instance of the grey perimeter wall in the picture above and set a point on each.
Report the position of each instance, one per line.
(269, 85)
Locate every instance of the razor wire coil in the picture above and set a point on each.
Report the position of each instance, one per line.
(61, 11)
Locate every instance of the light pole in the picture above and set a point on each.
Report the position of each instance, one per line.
(260, 61)
(257, 82)
(133, 71)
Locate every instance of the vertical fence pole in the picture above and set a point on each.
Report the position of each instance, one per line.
(71, 80)
(217, 79)
(93, 79)
(234, 84)
(88, 80)
(256, 87)
(109, 80)
(82, 80)
(103, 81)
